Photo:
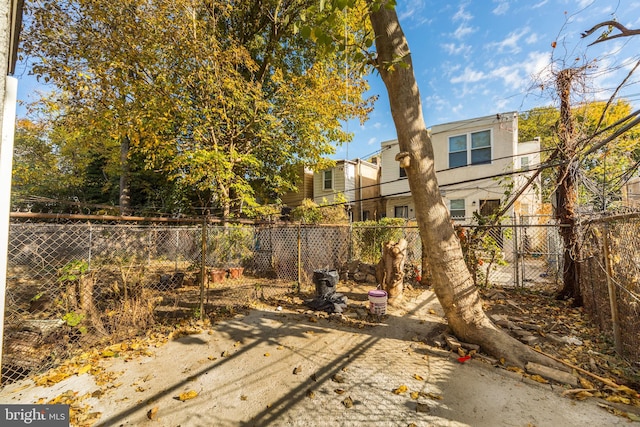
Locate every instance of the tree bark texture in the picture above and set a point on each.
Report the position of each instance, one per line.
(566, 192)
(390, 269)
(452, 282)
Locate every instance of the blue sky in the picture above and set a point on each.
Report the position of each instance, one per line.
(479, 57)
(474, 58)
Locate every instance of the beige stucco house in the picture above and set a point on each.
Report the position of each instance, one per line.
(474, 159)
(357, 181)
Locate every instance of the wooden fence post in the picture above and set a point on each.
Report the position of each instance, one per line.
(613, 298)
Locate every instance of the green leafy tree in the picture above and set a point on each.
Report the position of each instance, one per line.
(606, 167)
(224, 99)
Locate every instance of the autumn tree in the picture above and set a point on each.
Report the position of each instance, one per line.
(452, 282)
(224, 99)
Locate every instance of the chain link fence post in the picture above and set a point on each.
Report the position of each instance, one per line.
(203, 263)
(613, 298)
(299, 274)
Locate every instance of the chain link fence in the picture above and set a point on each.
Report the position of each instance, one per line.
(74, 284)
(610, 279)
(520, 252)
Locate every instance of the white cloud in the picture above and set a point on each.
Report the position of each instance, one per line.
(462, 31)
(539, 4)
(468, 76)
(533, 38)
(502, 8)
(435, 102)
(516, 76)
(377, 125)
(462, 14)
(456, 49)
(372, 141)
(511, 42)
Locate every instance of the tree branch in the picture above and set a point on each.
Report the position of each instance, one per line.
(624, 31)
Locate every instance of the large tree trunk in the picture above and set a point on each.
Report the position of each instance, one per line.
(452, 282)
(566, 191)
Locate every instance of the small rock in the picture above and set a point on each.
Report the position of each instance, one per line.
(422, 407)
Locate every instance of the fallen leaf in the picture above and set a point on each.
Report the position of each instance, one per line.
(339, 391)
(585, 383)
(348, 402)
(618, 399)
(401, 390)
(337, 378)
(84, 369)
(582, 395)
(243, 397)
(310, 394)
(418, 377)
(415, 395)
(187, 395)
(539, 379)
(297, 370)
(464, 358)
(267, 355)
(152, 413)
(626, 390)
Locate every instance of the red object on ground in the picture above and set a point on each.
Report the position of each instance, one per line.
(464, 358)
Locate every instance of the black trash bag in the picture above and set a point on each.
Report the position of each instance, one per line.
(326, 297)
(325, 281)
(335, 303)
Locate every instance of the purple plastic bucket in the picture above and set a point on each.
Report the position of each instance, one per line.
(377, 302)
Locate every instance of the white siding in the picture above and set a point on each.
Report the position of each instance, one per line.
(472, 183)
(390, 182)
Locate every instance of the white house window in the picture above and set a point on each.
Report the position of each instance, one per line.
(403, 172)
(456, 208)
(401, 211)
(481, 147)
(327, 180)
(457, 151)
(461, 153)
(524, 163)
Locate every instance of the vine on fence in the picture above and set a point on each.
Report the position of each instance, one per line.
(370, 236)
(482, 248)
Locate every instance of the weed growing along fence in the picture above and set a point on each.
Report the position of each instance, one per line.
(610, 279)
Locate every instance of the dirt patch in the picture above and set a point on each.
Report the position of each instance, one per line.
(281, 364)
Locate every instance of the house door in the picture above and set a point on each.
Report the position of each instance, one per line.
(488, 208)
